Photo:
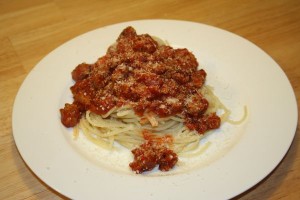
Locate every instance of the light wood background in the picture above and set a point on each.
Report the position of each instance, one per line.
(30, 29)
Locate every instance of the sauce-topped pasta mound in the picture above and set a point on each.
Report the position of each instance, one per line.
(145, 81)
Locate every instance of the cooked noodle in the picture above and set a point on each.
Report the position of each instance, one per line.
(123, 126)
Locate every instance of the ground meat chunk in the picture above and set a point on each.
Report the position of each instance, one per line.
(81, 72)
(70, 114)
(150, 154)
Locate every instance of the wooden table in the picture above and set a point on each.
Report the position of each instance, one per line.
(29, 30)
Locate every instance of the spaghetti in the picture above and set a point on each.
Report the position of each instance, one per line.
(146, 96)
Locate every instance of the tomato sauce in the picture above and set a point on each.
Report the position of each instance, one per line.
(154, 152)
(151, 78)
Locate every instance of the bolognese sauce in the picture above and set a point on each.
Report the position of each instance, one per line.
(154, 151)
(151, 78)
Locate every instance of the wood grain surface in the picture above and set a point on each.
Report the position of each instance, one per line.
(30, 29)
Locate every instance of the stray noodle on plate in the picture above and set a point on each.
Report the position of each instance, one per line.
(146, 96)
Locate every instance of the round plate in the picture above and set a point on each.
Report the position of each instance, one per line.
(241, 74)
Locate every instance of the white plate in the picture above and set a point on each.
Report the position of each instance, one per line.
(241, 73)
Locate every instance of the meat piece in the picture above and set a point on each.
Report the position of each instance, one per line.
(152, 153)
(81, 72)
(213, 121)
(167, 160)
(203, 123)
(70, 114)
(196, 105)
(198, 78)
(144, 159)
